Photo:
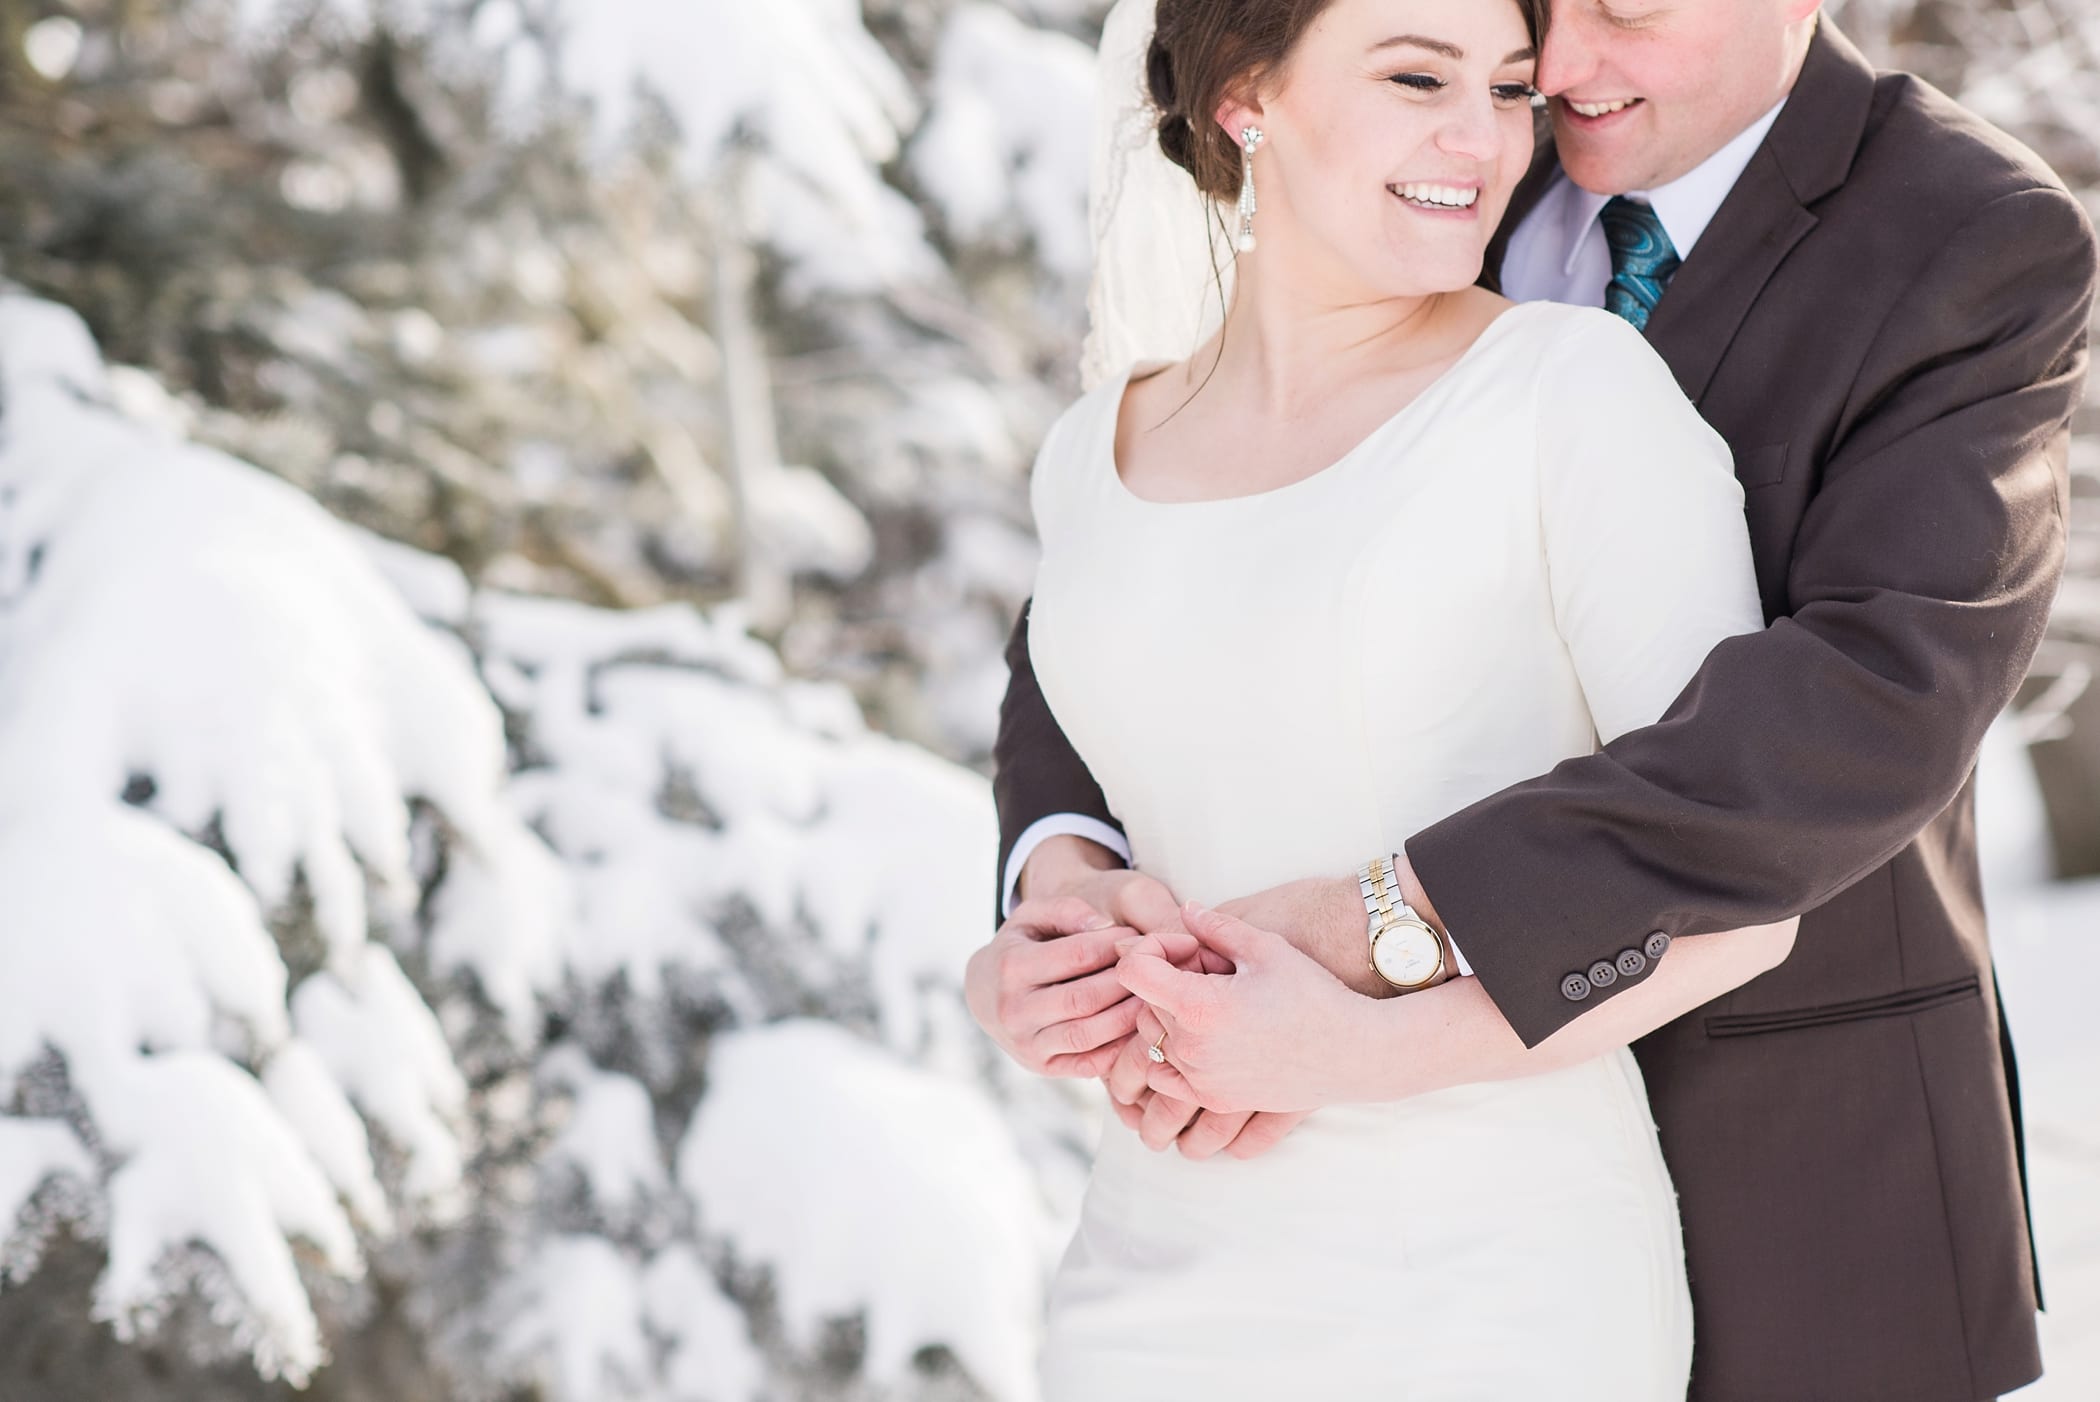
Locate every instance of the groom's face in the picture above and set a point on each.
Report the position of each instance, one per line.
(1643, 91)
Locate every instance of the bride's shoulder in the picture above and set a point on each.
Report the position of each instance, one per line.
(1096, 411)
(1071, 449)
(1562, 329)
(1587, 353)
(1072, 422)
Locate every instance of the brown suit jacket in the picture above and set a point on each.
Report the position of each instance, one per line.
(1887, 322)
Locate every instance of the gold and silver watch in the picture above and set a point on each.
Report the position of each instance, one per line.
(1406, 950)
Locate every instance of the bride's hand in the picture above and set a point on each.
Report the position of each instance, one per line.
(1279, 1033)
(1164, 1121)
(1135, 1104)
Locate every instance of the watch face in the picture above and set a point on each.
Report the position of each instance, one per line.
(1407, 954)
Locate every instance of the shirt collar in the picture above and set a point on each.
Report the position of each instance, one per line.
(1685, 206)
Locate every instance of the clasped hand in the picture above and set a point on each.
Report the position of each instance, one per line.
(1082, 983)
(1277, 1032)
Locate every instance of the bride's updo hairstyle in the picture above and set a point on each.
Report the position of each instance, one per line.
(1202, 49)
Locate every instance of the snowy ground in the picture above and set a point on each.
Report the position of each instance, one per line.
(2049, 963)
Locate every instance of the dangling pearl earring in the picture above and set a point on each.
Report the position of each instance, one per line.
(1250, 137)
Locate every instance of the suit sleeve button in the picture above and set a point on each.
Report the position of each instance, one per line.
(1602, 974)
(1658, 943)
(1574, 988)
(1632, 963)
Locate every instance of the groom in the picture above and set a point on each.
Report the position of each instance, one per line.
(1881, 302)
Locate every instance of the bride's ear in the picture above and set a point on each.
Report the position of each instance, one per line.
(1237, 111)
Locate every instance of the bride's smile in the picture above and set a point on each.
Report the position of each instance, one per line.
(1440, 199)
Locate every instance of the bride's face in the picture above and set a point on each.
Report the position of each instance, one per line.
(1393, 138)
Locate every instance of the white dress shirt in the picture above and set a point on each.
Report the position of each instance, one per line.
(1558, 253)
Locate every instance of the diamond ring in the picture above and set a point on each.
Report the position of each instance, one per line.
(1155, 1051)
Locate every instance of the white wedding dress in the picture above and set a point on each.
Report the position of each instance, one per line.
(1534, 554)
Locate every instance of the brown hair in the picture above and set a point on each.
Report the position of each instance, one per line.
(1203, 49)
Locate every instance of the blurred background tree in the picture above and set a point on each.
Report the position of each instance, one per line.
(620, 302)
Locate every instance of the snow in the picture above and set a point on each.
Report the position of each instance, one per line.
(313, 1104)
(503, 914)
(610, 1136)
(804, 78)
(595, 1316)
(712, 1359)
(806, 524)
(383, 1045)
(510, 815)
(141, 983)
(434, 587)
(166, 958)
(812, 1153)
(31, 1152)
(836, 832)
(211, 624)
(585, 1313)
(205, 1157)
(806, 84)
(179, 620)
(996, 165)
(2047, 963)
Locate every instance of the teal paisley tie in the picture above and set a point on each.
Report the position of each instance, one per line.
(1642, 259)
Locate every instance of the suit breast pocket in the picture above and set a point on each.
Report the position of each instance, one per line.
(1761, 466)
(1773, 502)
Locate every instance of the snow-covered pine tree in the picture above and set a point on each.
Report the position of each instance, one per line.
(490, 992)
(450, 268)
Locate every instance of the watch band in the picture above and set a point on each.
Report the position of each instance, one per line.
(1383, 904)
(1385, 908)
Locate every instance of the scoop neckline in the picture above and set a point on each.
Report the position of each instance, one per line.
(1121, 385)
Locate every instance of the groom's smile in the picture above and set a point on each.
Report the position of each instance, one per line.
(1594, 111)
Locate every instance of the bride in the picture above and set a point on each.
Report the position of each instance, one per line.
(1381, 545)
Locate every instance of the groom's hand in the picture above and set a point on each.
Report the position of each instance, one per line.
(1044, 988)
(1072, 868)
(1323, 919)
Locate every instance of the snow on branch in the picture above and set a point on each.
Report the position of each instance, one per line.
(999, 168)
(576, 941)
(183, 631)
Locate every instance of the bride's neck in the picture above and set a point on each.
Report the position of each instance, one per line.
(1287, 346)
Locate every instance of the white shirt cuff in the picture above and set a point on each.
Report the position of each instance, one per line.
(1465, 970)
(1057, 825)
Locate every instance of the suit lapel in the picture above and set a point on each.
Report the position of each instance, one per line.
(1696, 320)
(1804, 157)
